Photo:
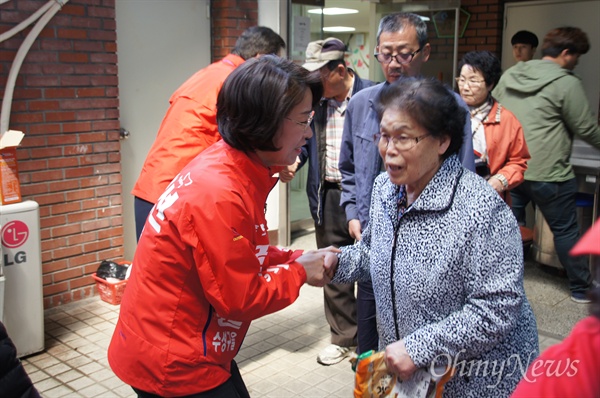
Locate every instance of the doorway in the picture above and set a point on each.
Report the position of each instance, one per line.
(160, 45)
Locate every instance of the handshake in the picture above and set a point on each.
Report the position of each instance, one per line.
(320, 265)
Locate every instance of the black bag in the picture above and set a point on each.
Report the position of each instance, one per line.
(110, 269)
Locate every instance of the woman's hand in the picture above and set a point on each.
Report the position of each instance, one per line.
(496, 184)
(313, 263)
(398, 360)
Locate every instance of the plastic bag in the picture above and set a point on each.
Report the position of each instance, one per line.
(373, 380)
(110, 269)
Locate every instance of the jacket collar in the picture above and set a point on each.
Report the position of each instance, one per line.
(261, 176)
(439, 192)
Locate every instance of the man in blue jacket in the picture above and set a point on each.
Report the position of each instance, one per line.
(402, 49)
(323, 187)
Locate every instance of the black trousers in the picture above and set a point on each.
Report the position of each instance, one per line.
(234, 387)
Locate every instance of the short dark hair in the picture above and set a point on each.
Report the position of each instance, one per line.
(486, 63)
(257, 96)
(524, 37)
(430, 104)
(258, 40)
(399, 21)
(566, 38)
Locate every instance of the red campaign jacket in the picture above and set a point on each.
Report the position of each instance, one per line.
(188, 128)
(202, 271)
(567, 369)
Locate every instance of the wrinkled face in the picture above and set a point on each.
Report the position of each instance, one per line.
(472, 87)
(416, 166)
(404, 41)
(523, 52)
(292, 135)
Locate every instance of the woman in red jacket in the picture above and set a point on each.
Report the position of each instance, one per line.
(203, 268)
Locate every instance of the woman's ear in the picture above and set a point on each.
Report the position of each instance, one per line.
(444, 144)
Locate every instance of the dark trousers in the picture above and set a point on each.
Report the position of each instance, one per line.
(339, 299)
(232, 388)
(368, 338)
(557, 202)
(141, 209)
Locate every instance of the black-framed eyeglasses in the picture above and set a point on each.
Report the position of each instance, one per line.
(305, 124)
(401, 58)
(401, 143)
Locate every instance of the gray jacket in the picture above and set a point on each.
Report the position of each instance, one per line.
(448, 280)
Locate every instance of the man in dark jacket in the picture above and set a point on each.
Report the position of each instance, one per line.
(14, 381)
(323, 187)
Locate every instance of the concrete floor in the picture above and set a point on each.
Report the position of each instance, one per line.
(278, 357)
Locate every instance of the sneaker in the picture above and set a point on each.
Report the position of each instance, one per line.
(333, 354)
(580, 297)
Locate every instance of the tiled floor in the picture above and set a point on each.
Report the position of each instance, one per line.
(278, 358)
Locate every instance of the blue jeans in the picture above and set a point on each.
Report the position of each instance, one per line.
(557, 202)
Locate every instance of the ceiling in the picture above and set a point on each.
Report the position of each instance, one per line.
(360, 20)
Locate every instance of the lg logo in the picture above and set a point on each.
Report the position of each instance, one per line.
(14, 234)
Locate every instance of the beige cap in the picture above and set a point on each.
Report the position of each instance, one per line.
(320, 52)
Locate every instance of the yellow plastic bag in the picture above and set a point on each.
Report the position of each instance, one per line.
(373, 380)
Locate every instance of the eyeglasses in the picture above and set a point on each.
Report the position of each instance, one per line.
(401, 58)
(305, 124)
(401, 143)
(461, 81)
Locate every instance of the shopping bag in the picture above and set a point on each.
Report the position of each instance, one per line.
(373, 380)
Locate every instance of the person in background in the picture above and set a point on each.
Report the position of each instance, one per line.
(190, 124)
(498, 143)
(323, 186)
(524, 43)
(442, 250)
(402, 49)
(14, 380)
(576, 359)
(551, 104)
(203, 268)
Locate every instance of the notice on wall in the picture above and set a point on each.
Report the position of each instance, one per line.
(301, 33)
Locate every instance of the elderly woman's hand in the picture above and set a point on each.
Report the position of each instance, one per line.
(398, 360)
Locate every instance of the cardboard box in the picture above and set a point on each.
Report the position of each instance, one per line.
(10, 189)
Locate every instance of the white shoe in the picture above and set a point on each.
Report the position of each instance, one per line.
(333, 354)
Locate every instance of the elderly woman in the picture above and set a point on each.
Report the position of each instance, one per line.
(203, 268)
(443, 252)
(501, 153)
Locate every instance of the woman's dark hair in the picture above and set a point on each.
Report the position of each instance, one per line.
(257, 96)
(430, 104)
(486, 63)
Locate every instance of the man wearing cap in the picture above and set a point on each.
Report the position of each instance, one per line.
(326, 57)
(524, 44)
(402, 49)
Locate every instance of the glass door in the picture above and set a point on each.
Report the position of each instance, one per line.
(445, 24)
